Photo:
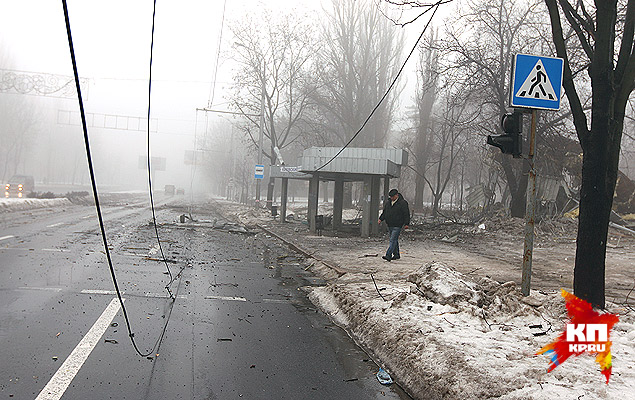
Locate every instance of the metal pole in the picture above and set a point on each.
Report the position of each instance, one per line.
(530, 211)
(262, 123)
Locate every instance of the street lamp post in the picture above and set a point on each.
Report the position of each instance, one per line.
(261, 133)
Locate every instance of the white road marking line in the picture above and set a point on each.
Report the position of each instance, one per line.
(88, 216)
(275, 301)
(225, 298)
(14, 248)
(98, 291)
(54, 225)
(163, 295)
(67, 371)
(57, 250)
(50, 289)
(7, 237)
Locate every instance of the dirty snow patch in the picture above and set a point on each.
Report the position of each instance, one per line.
(27, 204)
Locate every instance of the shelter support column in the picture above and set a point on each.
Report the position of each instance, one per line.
(374, 204)
(314, 191)
(386, 187)
(338, 203)
(366, 213)
(283, 199)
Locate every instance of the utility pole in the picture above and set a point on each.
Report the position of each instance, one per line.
(262, 123)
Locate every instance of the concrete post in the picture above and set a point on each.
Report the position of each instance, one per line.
(366, 213)
(338, 203)
(283, 199)
(314, 192)
(374, 204)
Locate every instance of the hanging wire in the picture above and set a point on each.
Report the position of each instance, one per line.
(154, 217)
(96, 197)
(436, 7)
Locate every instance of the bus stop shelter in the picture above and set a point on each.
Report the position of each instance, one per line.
(367, 165)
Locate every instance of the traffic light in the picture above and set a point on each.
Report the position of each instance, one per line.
(510, 142)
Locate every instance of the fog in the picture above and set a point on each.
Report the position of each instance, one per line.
(40, 132)
(324, 66)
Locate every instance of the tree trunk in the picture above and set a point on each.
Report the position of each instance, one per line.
(348, 195)
(420, 185)
(518, 204)
(595, 209)
(599, 176)
(517, 187)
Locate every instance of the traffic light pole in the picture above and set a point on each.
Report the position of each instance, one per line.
(530, 211)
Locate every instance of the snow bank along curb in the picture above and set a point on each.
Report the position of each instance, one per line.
(27, 204)
(443, 335)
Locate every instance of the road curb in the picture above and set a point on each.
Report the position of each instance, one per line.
(302, 251)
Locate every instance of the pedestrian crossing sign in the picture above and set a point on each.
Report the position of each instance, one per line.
(536, 82)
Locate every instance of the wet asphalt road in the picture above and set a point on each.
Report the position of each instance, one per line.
(241, 327)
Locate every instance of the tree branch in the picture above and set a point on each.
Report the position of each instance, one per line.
(577, 23)
(579, 117)
(625, 69)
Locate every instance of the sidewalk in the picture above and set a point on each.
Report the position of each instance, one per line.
(450, 323)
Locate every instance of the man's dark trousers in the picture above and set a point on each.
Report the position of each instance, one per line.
(393, 247)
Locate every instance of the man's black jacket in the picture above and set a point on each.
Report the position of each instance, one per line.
(397, 214)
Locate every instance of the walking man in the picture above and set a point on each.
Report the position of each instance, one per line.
(397, 217)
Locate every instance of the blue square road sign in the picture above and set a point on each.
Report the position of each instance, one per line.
(536, 82)
(259, 172)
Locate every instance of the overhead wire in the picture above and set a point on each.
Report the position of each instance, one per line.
(394, 81)
(150, 190)
(210, 97)
(210, 101)
(96, 196)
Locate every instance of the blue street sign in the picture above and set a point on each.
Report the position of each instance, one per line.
(260, 171)
(536, 82)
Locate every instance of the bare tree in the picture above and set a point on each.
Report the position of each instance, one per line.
(605, 33)
(274, 56)
(354, 68)
(457, 116)
(483, 47)
(18, 126)
(427, 82)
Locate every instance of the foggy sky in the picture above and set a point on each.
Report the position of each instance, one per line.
(112, 46)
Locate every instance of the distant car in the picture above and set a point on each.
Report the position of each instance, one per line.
(180, 191)
(169, 190)
(19, 186)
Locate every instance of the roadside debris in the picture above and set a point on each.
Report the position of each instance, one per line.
(384, 377)
(451, 239)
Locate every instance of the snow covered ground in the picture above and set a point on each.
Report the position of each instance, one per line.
(13, 204)
(443, 335)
